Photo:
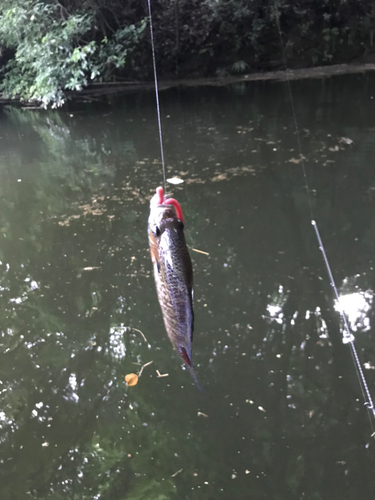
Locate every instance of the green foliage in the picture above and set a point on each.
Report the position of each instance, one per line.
(239, 67)
(50, 48)
(53, 53)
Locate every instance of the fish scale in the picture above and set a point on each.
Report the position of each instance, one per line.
(173, 273)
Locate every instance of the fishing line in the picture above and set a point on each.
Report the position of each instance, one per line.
(157, 95)
(347, 336)
(293, 110)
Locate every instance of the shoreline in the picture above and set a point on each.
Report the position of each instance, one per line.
(100, 89)
(279, 75)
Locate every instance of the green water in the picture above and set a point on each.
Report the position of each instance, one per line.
(281, 416)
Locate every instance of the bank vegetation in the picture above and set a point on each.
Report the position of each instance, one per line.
(49, 48)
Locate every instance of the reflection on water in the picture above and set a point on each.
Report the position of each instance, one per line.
(356, 307)
(281, 415)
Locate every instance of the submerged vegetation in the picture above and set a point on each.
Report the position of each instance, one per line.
(49, 48)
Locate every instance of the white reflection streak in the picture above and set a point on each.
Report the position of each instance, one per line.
(356, 307)
(3, 417)
(117, 346)
(276, 313)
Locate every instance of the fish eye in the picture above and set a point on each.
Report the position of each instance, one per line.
(156, 231)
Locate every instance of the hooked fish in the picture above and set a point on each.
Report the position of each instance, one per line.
(173, 273)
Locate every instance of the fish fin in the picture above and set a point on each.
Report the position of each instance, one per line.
(194, 377)
(185, 356)
(190, 368)
(192, 314)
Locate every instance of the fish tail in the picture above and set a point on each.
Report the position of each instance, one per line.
(194, 377)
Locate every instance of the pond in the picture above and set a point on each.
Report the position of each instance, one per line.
(281, 415)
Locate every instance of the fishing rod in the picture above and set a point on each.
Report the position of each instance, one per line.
(347, 336)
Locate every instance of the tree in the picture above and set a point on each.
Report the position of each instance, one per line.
(56, 49)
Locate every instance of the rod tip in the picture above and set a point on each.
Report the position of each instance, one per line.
(313, 223)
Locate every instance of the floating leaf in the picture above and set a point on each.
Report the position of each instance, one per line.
(131, 379)
(295, 160)
(346, 140)
(175, 180)
(201, 414)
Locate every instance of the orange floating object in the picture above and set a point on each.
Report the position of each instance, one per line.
(131, 379)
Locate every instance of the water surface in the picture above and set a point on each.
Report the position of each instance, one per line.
(282, 416)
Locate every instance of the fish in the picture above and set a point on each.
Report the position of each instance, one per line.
(173, 273)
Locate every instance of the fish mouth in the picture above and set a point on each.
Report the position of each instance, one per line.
(160, 200)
